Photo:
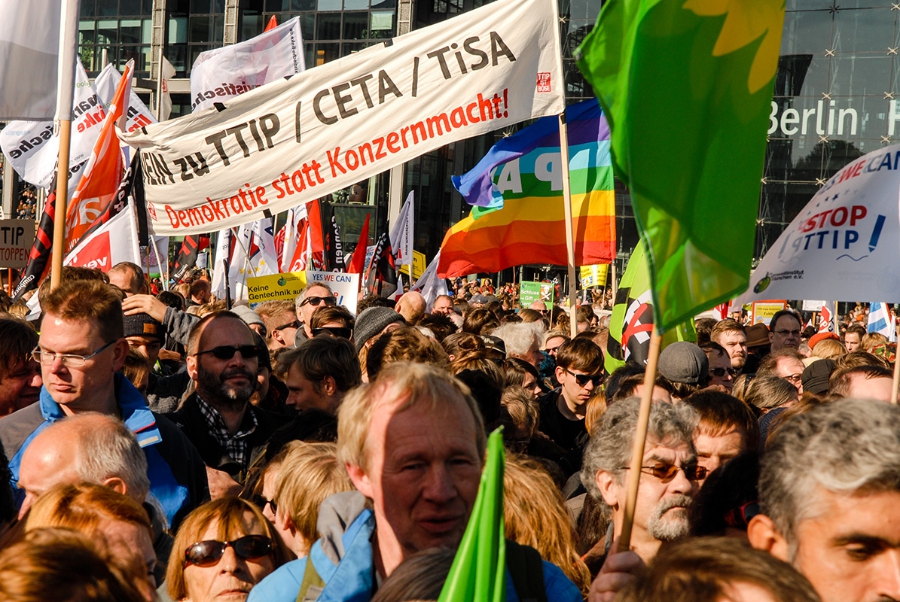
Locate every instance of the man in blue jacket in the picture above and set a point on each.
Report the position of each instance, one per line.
(81, 349)
(413, 443)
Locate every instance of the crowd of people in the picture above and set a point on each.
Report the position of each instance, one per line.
(166, 447)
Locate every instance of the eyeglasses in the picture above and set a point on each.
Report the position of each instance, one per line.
(740, 517)
(667, 472)
(207, 553)
(720, 372)
(226, 352)
(552, 350)
(67, 359)
(584, 379)
(261, 502)
(784, 333)
(318, 301)
(334, 331)
(793, 378)
(294, 324)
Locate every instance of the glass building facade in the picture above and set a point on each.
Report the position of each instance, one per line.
(836, 93)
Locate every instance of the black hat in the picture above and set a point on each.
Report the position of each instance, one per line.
(143, 325)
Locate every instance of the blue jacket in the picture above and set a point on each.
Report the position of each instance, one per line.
(176, 471)
(343, 559)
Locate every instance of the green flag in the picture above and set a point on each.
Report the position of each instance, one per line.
(479, 569)
(686, 86)
(632, 317)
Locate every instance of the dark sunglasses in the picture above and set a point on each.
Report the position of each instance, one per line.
(334, 331)
(740, 517)
(318, 301)
(226, 352)
(261, 502)
(667, 472)
(584, 379)
(249, 547)
(720, 372)
(294, 324)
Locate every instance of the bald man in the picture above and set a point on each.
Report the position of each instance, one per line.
(411, 306)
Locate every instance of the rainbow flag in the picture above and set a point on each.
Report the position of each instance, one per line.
(519, 216)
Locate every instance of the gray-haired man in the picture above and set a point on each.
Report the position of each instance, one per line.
(830, 499)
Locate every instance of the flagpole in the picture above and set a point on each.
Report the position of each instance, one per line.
(640, 438)
(65, 95)
(567, 203)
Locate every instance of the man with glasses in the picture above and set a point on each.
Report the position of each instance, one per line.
(579, 372)
(218, 418)
(81, 350)
(316, 295)
(280, 318)
(785, 363)
(784, 330)
(721, 371)
(669, 481)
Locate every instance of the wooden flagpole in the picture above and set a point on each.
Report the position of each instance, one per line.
(65, 95)
(567, 203)
(640, 438)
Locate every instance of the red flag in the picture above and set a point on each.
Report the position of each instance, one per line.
(316, 236)
(103, 172)
(273, 23)
(358, 261)
(279, 244)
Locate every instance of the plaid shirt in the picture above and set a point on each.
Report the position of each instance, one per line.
(234, 445)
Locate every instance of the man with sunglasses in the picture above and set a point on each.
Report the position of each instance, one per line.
(316, 295)
(218, 418)
(280, 318)
(669, 481)
(721, 371)
(579, 372)
(81, 351)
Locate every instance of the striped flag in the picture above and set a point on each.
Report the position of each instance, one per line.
(517, 189)
(881, 320)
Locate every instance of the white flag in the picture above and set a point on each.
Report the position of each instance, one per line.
(429, 284)
(138, 113)
(295, 234)
(223, 73)
(29, 49)
(168, 72)
(402, 235)
(263, 255)
(254, 255)
(116, 241)
(33, 149)
(221, 263)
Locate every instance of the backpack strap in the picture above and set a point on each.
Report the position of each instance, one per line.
(527, 571)
(312, 585)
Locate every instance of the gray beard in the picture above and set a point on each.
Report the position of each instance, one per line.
(671, 525)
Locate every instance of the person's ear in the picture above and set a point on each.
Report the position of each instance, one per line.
(560, 374)
(609, 488)
(329, 385)
(121, 352)
(360, 480)
(771, 337)
(191, 364)
(116, 484)
(765, 536)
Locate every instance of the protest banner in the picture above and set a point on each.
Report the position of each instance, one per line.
(529, 292)
(344, 286)
(813, 305)
(762, 311)
(138, 115)
(594, 275)
(418, 266)
(330, 127)
(276, 287)
(29, 45)
(16, 238)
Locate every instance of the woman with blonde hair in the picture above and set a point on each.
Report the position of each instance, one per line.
(535, 515)
(224, 547)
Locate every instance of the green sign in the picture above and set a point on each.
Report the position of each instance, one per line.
(529, 292)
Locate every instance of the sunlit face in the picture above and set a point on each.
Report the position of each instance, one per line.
(791, 370)
(442, 305)
(716, 447)
(852, 341)
(422, 477)
(850, 548)
(303, 394)
(720, 370)
(786, 333)
(147, 346)
(232, 577)
(735, 343)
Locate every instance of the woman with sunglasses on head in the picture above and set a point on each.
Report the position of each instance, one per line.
(222, 550)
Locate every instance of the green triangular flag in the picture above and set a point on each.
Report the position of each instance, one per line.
(479, 569)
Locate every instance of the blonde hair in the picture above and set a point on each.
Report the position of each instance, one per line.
(829, 349)
(309, 473)
(228, 515)
(83, 507)
(402, 385)
(535, 515)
